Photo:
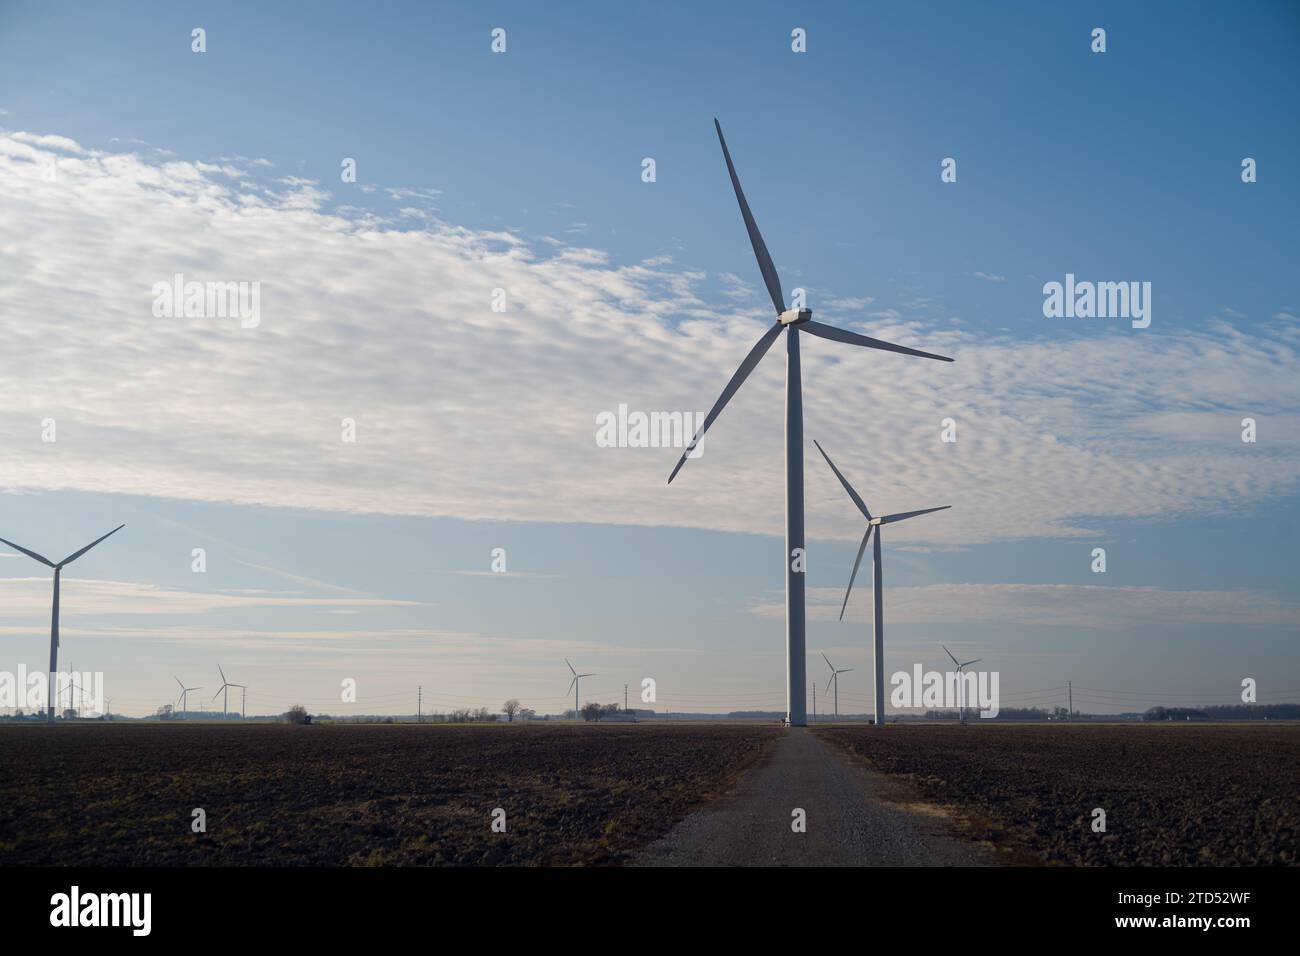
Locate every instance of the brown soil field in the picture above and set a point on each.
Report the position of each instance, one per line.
(121, 794)
(1175, 795)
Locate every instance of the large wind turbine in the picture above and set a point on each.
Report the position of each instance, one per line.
(184, 691)
(835, 679)
(877, 524)
(790, 321)
(224, 690)
(54, 616)
(573, 686)
(961, 684)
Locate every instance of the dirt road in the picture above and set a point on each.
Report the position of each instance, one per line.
(847, 824)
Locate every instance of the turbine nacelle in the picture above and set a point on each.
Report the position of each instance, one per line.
(794, 316)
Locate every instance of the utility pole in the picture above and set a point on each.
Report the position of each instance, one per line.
(243, 701)
(814, 683)
(625, 698)
(1070, 713)
(419, 704)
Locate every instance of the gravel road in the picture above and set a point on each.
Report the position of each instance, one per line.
(847, 824)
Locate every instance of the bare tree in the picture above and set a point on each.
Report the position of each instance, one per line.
(510, 708)
(592, 711)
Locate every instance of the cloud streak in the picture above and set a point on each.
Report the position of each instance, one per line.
(1090, 607)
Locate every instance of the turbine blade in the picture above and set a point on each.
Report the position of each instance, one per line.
(218, 693)
(829, 682)
(178, 681)
(73, 557)
(742, 373)
(223, 675)
(844, 481)
(949, 653)
(828, 661)
(765, 266)
(586, 675)
(856, 564)
(969, 663)
(31, 554)
(845, 671)
(570, 687)
(571, 670)
(903, 516)
(854, 338)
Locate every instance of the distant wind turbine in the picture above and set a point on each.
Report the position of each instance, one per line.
(573, 686)
(54, 616)
(224, 690)
(184, 690)
(961, 684)
(791, 321)
(835, 679)
(75, 702)
(876, 524)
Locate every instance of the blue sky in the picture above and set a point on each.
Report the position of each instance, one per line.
(523, 170)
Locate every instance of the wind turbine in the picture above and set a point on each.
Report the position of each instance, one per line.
(961, 684)
(54, 616)
(790, 321)
(224, 691)
(573, 686)
(75, 702)
(877, 524)
(835, 679)
(184, 690)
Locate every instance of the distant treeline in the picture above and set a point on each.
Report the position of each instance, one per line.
(1006, 713)
(1220, 712)
(1226, 712)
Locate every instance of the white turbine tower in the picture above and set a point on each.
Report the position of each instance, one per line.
(184, 691)
(54, 616)
(790, 321)
(961, 684)
(835, 679)
(876, 524)
(224, 690)
(573, 686)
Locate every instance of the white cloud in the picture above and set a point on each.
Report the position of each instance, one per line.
(48, 143)
(849, 304)
(1061, 605)
(990, 277)
(465, 412)
(87, 596)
